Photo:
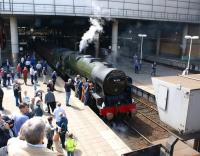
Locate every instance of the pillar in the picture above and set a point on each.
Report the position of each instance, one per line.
(14, 39)
(184, 41)
(97, 44)
(114, 39)
(158, 44)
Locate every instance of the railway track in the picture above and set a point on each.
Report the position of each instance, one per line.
(144, 128)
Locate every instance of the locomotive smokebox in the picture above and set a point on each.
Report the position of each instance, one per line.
(111, 80)
(178, 101)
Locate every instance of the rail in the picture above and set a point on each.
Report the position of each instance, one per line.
(156, 119)
(140, 92)
(121, 11)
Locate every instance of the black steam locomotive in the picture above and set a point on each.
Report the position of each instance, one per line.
(112, 92)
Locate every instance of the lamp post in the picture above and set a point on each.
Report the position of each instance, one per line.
(187, 37)
(141, 53)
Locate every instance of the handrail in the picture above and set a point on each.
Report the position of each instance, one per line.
(86, 10)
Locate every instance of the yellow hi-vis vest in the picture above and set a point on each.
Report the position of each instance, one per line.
(70, 144)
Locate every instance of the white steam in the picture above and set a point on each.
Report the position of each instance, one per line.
(88, 37)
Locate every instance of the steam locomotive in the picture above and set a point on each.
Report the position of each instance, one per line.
(111, 93)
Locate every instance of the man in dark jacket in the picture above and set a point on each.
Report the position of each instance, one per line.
(63, 128)
(6, 132)
(50, 100)
(16, 92)
(68, 86)
(1, 98)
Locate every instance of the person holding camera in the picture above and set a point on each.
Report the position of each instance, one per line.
(6, 132)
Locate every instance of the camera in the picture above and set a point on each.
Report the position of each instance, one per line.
(56, 129)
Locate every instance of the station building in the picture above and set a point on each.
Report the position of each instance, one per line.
(63, 22)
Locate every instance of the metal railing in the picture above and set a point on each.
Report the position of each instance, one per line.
(73, 10)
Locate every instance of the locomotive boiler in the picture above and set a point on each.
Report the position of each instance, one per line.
(112, 92)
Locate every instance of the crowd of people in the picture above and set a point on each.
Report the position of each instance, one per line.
(24, 133)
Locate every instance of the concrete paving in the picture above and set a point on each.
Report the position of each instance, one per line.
(143, 79)
(93, 137)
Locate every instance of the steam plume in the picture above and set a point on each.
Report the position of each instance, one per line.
(89, 36)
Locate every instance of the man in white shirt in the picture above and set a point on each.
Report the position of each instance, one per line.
(39, 68)
(28, 63)
(57, 111)
(32, 73)
(26, 98)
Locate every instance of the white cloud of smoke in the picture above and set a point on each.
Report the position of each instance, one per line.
(89, 36)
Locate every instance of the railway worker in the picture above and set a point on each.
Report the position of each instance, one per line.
(153, 69)
(77, 79)
(68, 86)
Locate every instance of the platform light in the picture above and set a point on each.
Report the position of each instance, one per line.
(191, 37)
(188, 37)
(142, 35)
(141, 53)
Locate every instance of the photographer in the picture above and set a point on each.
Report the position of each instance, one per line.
(6, 131)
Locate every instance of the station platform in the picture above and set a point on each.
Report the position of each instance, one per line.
(143, 79)
(93, 136)
(180, 149)
(176, 62)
